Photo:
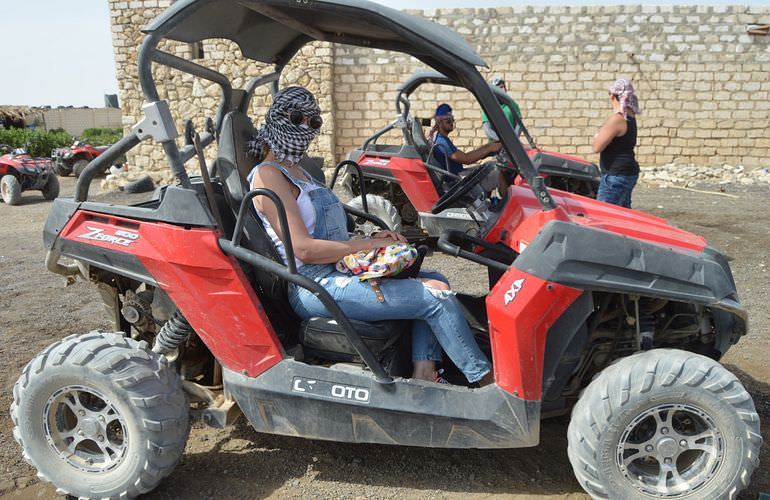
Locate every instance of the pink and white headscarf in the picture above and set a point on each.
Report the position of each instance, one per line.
(624, 91)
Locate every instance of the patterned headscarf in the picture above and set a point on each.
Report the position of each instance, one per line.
(624, 91)
(287, 141)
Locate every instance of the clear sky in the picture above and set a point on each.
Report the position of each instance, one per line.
(59, 52)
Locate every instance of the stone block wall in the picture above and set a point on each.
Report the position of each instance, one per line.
(194, 98)
(703, 82)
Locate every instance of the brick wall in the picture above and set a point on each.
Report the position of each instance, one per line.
(193, 98)
(703, 83)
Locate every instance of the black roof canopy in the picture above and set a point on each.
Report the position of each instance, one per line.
(272, 31)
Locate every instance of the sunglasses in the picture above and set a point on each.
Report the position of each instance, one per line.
(297, 117)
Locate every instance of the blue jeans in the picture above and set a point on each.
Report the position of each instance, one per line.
(616, 189)
(439, 321)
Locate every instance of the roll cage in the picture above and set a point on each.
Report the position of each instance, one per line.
(272, 31)
(422, 77)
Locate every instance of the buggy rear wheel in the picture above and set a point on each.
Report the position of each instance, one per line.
(379, 207)
(10, 190)
(51, 188)
(664, 423)
(100, 416)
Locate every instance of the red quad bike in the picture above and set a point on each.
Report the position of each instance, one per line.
(403, 183)
(74, 159)
(610, 314)
(21, 172)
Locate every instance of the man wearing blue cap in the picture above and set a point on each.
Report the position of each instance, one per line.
(444, 153)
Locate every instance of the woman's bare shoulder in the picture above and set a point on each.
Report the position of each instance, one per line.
(266, 174)
(617, 122)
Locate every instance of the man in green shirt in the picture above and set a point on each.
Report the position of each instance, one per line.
(507, 110)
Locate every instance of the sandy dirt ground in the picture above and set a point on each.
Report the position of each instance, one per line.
(36, 308)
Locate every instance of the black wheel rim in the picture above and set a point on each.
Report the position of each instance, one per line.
(85, 429)
(670, 450)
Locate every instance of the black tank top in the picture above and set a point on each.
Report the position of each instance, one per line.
(618, 157)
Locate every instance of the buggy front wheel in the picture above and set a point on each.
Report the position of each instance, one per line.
(79, 166)
(100, 416)
(62, 169)
(664, 424)
(51, 188)
(10, 190)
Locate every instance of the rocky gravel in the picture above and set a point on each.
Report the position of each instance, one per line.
(726, 177)
(37, 308)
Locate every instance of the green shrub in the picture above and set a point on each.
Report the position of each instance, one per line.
(40, 143)
(101, 136)
(37, 142)
(14, 137)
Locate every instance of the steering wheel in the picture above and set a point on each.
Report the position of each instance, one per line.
(460, 189)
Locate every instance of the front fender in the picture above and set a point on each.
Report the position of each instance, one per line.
(594, 259)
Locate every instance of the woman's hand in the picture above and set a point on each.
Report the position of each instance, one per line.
(389, 235)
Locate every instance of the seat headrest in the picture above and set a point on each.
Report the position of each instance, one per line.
(419, 139)
(233, 161)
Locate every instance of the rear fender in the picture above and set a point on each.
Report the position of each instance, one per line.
(207, 286)
(409, 173)
(82, 155)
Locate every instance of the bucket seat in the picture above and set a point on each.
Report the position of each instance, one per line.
(321, 337)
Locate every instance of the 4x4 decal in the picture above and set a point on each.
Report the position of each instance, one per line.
(511, 293)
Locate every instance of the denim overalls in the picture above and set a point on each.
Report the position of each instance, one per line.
(438, 320)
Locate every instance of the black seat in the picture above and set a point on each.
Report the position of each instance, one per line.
(233, 162)
(322, 336)
(233, 157)
(419, 140)
(415, 135)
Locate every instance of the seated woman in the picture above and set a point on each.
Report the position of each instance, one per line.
(318, 227)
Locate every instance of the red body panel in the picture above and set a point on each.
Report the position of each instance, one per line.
(522, 218)
(412, 176)
(87, 150)
(521, 308)
(11, 161)
(207, 286)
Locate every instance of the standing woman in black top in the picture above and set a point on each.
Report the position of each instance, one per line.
(615, 142)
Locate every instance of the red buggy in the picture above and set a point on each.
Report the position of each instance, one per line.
(613, 315)
(403, 180)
